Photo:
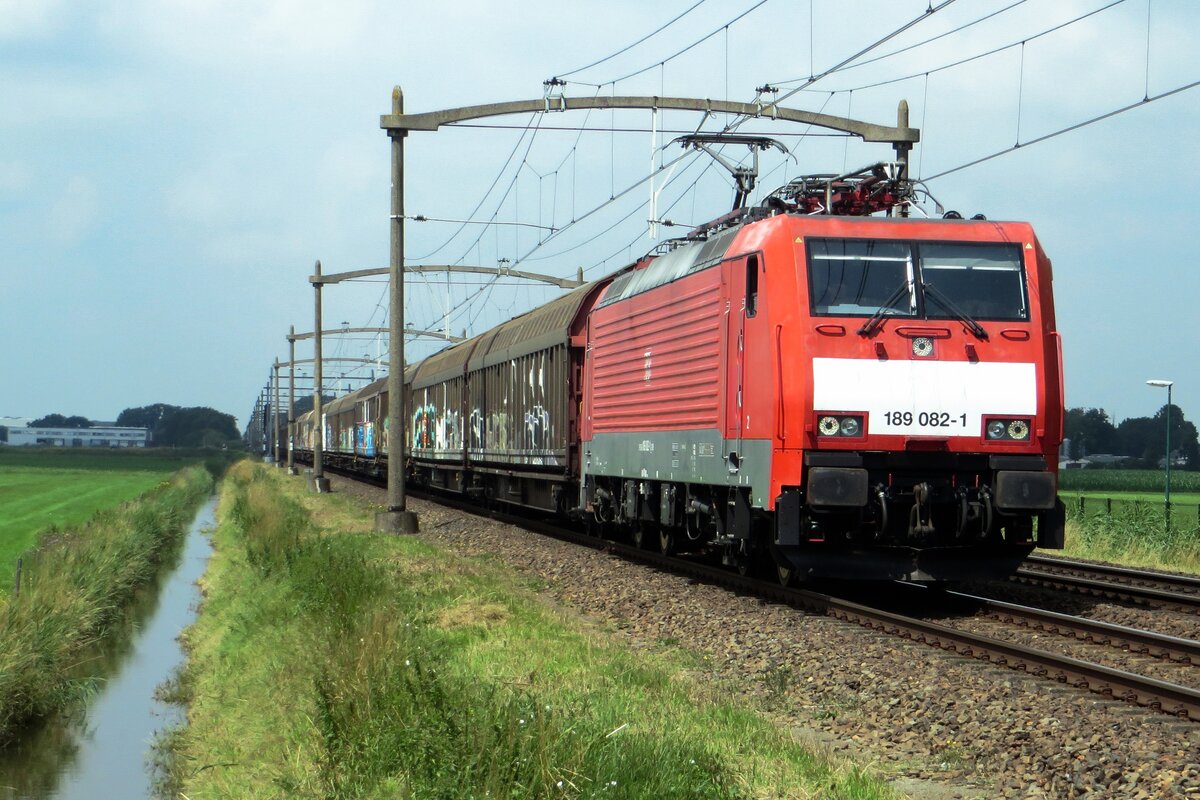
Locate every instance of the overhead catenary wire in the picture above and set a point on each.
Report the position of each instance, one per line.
(491, 283)
(507, 191)
(691, 46)
(1067, 129)
(629, 47)
(905, 49)
(517, 146)
(984, 54)
(464, 306)
(914, 21)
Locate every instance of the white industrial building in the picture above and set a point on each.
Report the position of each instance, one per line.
(110, 436)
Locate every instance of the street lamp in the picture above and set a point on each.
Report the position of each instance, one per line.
(1167, 496)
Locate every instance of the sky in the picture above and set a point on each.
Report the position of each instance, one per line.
(170, 170)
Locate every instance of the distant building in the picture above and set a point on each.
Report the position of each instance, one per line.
(109, 436)
(1107, 460)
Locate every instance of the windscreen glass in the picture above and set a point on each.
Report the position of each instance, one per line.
(982, 281)
(932, 280)
(861, 277)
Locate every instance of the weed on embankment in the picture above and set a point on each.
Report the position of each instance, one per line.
(75, 584)
(1134, 533)
(329, 661)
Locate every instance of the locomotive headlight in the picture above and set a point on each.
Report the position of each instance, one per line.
(1007, 429)
(840, 425)
(828, 426)
(1018, 429)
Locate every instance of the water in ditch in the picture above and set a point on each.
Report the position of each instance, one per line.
(103, 749)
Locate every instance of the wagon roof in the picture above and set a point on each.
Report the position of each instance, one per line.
(445, 364)
(362, 393)
(539, 329)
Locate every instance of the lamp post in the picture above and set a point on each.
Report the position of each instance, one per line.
(1167, 495)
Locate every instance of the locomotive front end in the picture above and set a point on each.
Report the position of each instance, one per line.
(933, 409)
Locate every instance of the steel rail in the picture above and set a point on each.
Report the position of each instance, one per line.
(1158, 645)
(1188, 603)
(1117, 573)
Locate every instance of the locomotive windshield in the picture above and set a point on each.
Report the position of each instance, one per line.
(861, 277)
(931, 280)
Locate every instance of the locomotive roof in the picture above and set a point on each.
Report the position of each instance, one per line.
(683, 260)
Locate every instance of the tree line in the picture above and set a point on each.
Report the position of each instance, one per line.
(169, 426)
(1143, 440)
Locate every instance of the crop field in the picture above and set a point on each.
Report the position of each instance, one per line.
(1149, 481)
(44, 490)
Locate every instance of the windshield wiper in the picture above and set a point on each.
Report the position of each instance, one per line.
(885, 308)
(973, 326)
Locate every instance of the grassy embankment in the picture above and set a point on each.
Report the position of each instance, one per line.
(332, 662)
(1135, 530)
(77, 579)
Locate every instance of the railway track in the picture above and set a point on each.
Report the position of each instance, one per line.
(1149, 643)
(1168, 698)
(1176, 592)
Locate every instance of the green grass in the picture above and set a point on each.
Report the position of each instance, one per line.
(1185, 509)
(44, 489)
(1134, 533)
(1121, 518)
(74, 585)
(33, 501)
(332, 662)
(87, 458)
(1128, 480)
(1183, 498)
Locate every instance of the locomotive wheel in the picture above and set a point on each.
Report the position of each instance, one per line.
(785, 573)
(751, 561)
(666, 542)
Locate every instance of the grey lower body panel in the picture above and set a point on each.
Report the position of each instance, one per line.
(694, 457)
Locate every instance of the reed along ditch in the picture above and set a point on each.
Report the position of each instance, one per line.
(93, 737)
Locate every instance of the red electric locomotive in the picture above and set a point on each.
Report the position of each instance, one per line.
(855, 397)
(825, 394)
